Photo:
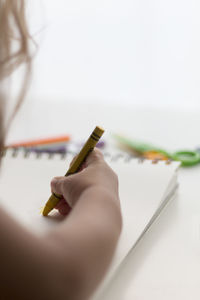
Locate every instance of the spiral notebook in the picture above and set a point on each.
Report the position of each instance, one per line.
(145, 188)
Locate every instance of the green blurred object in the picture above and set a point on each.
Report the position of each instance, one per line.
(187, 158)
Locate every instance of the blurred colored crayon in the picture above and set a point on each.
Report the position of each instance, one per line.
(46, 141)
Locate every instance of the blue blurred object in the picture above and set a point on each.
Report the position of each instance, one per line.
(50, 150)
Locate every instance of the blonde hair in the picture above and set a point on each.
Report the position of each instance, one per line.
(14, 48)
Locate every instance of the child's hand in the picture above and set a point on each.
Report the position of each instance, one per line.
(96, 173)
(89, 236)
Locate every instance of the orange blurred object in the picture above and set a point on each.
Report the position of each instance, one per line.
(154, 155)
(38, 142)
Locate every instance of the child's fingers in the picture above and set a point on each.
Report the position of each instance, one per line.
(60, 203)
(94, 157)
(63, 207)
(58, 184)
(71, 187)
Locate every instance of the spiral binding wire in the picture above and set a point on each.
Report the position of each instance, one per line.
(113, 157)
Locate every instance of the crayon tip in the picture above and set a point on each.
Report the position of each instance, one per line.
(46, 210)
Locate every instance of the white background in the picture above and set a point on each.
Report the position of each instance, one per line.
(130, 52)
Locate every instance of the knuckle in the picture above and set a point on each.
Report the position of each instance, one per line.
(57, 185)
(97, 154)
(116, 178)
(53, 183)
(113, 173)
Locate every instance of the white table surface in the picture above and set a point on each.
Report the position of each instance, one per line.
(166, 263)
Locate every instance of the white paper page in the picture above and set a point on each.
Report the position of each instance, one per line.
(142, 188)
(25, 188)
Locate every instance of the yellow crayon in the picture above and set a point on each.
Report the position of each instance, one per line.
(87, 148)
